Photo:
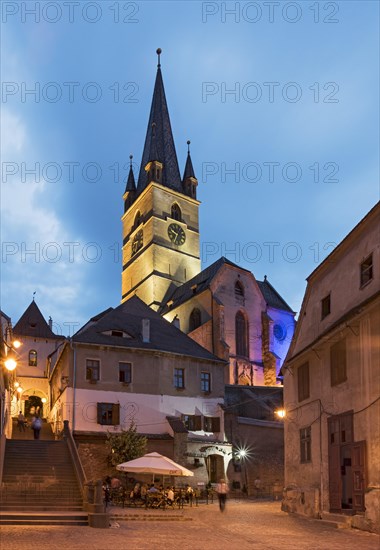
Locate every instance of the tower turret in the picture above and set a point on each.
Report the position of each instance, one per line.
(130, 188)
(189, 181)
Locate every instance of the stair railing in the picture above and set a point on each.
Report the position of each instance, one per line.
(80, 473)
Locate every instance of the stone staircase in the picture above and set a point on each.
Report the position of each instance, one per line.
(39, 485)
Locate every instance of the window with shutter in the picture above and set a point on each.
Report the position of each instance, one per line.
(108, 414)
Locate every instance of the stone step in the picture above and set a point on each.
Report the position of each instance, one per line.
(340, 521)
(5, 509)
(41, 518)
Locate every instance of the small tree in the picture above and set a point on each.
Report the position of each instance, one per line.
(126, 445)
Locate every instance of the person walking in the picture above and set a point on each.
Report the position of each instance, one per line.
(222, 490)
(21, 422)
(36, 426)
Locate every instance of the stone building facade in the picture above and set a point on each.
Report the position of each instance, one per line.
(332, 385)
(129, 365)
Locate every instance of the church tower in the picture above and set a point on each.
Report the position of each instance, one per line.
(160, 221)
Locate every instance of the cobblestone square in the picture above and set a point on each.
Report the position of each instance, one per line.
(244, 525)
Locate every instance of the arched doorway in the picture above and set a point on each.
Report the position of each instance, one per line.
(33, 406)
(215, 468)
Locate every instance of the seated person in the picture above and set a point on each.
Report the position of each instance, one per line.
(115, 483)
(170, 495)
(153, 489)
(143, 491)
(137, 490)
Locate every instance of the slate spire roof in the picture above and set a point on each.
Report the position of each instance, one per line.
(159, 140)
(131, 185)
(32, 323)
(272, 297)
(189, 170)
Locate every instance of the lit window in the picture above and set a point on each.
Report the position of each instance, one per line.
(179, 378)
(125, 373)
(366, 271)
(32, 358)
(92, 369)
(205, 382)
(325, 306)
(305, 444)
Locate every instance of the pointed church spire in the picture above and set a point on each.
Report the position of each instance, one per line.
(189, 181)
(159, 140)
(189, 170)
(131, 185)
(130, 188)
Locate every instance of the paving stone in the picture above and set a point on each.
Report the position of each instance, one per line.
(244, 525)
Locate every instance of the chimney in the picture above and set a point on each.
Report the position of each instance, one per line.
(146, 330)
(176, 322)
(51, 323)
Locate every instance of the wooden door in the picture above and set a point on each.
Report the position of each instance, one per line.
(359, 475)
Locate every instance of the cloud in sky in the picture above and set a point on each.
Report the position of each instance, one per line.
(222, 129)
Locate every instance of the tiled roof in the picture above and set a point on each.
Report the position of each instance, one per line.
(272, 297)
(127, 318)
(32, 323)
(196, 285)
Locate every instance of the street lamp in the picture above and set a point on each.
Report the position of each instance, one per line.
(281, 413)
(10, 362)
(243, 453)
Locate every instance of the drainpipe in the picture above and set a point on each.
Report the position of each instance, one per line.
(74, 385)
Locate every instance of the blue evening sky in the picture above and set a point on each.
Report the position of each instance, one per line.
(279, 100)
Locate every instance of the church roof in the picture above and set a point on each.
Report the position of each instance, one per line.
(196, 285)
(32, 323)
(127, 319)
(159, 141)
(189, 170)
(272, 297)
(131, 185)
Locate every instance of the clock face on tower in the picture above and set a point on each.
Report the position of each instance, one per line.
(176, 234)
(137, 242)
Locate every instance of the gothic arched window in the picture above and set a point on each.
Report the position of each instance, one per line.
(195, 319)
(239, 290)
(241, 335)
(176, 213)
(32, 358)
(138, 220)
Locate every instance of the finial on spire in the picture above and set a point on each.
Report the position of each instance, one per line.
(265, 277)
(130, 160)
(34, 293)
(159, 52)
(188, 146)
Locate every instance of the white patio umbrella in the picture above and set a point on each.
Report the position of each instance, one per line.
(154, 463)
